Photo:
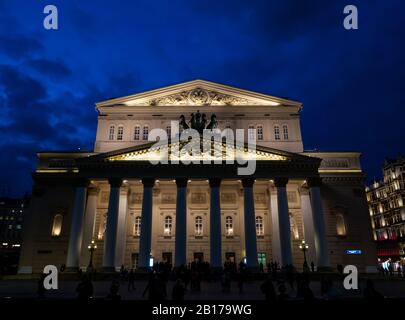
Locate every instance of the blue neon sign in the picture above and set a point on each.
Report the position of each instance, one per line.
(353, 251)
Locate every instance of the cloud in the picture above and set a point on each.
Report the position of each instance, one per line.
(18, 46)
(49, 68)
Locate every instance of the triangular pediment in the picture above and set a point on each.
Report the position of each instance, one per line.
(198, 93)
(182, 151)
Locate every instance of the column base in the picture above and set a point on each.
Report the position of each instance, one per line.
(25, 270)
(216, 270)
(253, 269)
(143, 269)
(108, 270)
(324, 269)
(72, 269)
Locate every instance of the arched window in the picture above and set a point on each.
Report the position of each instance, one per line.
(340, 225)
(276, 132)
(137, 132)
(57, 225)
(137, 226)
(198, 230)
(111, 133)
(259, 226)
(251, 132)
(145, 133)
(285, 132)
(260, 132)
(229, 226)
(120, 132)
(102, 227)
(168, 226)
(294, 228)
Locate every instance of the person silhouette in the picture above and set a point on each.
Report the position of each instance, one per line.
(131, 280)
(370, 293)
(41, 287)
(178, 291)
(267, 289)
(85, 289)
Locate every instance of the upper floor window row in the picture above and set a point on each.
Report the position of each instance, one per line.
(117, 133)
(283, 132)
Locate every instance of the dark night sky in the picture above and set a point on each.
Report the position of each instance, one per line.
(349, 81)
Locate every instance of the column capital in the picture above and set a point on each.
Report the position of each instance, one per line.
(215, 182)
(82, 182)
(248, 182)
(181, 182)
(280, 182)
(314, 182)
(115, 182)
(303, 190)
(148, 182)
(93, 190)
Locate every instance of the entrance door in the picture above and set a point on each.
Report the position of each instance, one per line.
(167, 257)
(198, 256)
(261, 257)
(230, 257)
(134, 260)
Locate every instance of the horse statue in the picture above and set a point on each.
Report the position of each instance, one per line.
(213, 123)
(183, 123)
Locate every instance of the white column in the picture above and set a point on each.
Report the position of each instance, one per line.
(306, 211)
(181, 223)
(146, 224)
(321, 244)
(215, 224)
(284, 221)
(76, 229)
(250, 224)
(88, 228)
(122, 229)
(112, 222)
(275, 235)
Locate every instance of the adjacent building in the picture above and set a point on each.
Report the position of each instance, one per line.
(138, 212)
(12, 213)
(386, 200)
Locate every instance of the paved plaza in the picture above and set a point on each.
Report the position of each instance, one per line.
(27, 289)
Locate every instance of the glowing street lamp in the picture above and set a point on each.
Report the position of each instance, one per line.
(92, 247)
(304, 247)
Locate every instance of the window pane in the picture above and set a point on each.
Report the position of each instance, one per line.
(120, 132)
(276, 132)
(111, 133)
(137, 132)
(285, 132)
(57, 225)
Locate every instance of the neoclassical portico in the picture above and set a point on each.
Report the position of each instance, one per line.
(134, 210)
(121, 172)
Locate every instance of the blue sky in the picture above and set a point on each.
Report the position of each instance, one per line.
(350, 82)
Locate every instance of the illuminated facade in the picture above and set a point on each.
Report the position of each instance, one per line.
(136, 210)
(387, 212)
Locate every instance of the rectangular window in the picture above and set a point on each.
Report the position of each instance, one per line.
(145, 133)
(111, 133)
(259, 132)
(276, 132)
(120, 132)
(137, 132)
(285, 132)
(168, 131)
(251, 133)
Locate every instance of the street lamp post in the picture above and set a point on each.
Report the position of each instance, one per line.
(304, 247)
(92, 247)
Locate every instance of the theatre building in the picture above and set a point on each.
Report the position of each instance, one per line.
(138, 211)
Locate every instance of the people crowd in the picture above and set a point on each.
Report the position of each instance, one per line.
(276, 282)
